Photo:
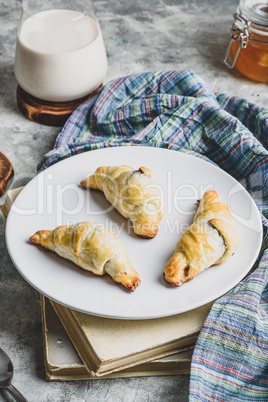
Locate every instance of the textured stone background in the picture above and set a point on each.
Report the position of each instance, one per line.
(139, 36)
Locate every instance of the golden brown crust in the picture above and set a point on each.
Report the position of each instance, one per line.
(43, 237)
(90, 182)
(93, 247)
(210, 240)
(134, 193)
(143, 169)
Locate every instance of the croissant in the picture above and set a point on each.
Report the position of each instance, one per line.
(210, 240)
(93, 247)
(134, 193)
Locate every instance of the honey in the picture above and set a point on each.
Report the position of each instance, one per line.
(248, 48)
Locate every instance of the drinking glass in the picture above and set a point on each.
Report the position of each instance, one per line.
(60, 53)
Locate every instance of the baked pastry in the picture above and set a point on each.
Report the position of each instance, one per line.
(210, 240)
(93, 247)
(134, 193)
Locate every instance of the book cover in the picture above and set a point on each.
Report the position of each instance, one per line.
(62, 362)
(9, 199)
(108, 345)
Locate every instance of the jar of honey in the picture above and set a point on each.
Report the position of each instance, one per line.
(248, 47)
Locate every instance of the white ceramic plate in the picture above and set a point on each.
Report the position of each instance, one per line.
(55, 197)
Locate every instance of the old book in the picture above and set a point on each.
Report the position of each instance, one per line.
(62, 362)
(108, 345)
(10, 198)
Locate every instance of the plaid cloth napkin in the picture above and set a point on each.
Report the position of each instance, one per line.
(179, 111)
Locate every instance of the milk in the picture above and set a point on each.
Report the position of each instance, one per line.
(60, 55)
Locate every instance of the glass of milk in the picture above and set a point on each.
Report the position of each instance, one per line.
(60, 53)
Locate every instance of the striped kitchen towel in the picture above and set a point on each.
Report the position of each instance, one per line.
(179, 111)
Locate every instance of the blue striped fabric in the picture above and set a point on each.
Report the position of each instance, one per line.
(179, 111)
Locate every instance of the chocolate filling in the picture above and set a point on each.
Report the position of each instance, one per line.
(135, 172)
(186, 270)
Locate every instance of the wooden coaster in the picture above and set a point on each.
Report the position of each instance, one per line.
(6, 173)
(45, 112)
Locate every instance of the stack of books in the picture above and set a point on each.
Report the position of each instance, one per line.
(82, 346)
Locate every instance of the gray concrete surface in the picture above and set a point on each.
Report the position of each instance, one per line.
(139, 36)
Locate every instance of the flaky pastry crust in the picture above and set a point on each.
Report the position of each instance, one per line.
(92, 247)
(210, 240)
(134, 193)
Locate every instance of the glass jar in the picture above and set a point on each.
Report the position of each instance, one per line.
(248, 47)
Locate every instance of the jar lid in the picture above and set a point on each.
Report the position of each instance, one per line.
(255, 11)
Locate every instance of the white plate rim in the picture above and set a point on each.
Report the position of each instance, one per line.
(132, 316)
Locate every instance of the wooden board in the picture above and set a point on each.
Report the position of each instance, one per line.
(6, 173)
